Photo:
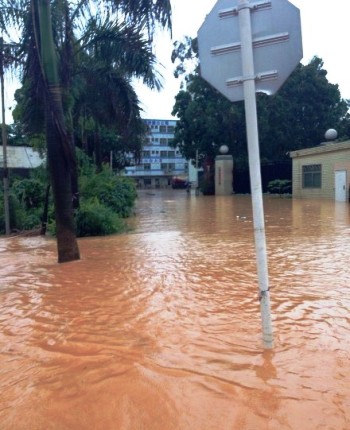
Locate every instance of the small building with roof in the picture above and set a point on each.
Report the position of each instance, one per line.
(322, 172)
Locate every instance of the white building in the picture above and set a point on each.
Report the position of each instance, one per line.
(159, 162)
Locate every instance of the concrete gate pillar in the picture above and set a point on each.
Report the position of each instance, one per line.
(223, 173)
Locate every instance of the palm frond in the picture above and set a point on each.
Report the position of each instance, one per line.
(147, 13)
(12, 15)
(123, 48)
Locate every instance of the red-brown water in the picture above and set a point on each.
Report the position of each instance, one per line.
(160, 328)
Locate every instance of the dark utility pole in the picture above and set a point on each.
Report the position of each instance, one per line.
(4, 142)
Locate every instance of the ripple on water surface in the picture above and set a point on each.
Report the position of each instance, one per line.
(160, 328)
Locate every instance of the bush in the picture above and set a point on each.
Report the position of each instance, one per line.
(104, 199)
(95, 219)
(207, 186)
(116, 192)
(30, 192)
(280, 186)
(20, 218)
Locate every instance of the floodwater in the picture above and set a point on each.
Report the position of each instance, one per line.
(159, 329)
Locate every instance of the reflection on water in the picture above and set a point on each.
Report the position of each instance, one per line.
(160, 328)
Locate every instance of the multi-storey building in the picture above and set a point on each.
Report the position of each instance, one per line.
(159, 162)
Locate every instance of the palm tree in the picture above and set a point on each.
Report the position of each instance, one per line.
(61, 159)
(110, 56)
(68, 24)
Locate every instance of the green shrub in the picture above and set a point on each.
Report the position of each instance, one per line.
(116, 192)
(280, 186)
(30, 192)
(207, 186)
(16, 212)
(104, 199)
(31, 220)
(95, 219)
(85, 165)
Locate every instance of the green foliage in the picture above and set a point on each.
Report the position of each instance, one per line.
(14, 135)
(296, 117)
(100, 48)
(95, 219)
(85, 165)
(207, 186)
(29, 220)
(30, 192)
(280, 186)
(207, 120)
(116, 192)
(20, 218)
(104, 200)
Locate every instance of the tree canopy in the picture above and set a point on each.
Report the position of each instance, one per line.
(296, 117)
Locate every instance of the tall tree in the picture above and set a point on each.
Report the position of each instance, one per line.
(297, 116)
(60, 153)
(207, 119)
(110, 43)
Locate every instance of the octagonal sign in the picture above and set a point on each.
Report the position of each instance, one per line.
(277, 46)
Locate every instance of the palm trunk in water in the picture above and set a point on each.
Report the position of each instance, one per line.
(61, 160)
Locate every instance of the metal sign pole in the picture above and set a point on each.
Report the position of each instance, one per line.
(254, 167)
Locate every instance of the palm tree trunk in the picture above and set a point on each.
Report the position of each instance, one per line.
(98, 149)
(59, 150)
(44, 217)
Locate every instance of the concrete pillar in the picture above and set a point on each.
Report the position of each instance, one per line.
(223, 175)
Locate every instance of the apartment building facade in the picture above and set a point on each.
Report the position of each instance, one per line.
(159, 162)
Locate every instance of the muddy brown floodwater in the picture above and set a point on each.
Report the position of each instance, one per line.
(159, 329)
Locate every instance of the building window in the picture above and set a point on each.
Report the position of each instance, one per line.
(171, 129)
(167, 167)
(147, 167)
(171, 154)
(162, 129)
(163, 141)
(312, 176)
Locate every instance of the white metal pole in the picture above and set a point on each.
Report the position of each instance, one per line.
(254, 167)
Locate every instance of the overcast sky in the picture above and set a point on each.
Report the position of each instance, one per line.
(325, 32)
